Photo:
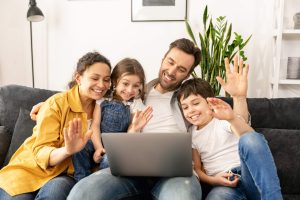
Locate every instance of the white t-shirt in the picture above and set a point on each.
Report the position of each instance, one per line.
(163, 120)
(217, 146)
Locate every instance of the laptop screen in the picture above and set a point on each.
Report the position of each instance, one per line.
(152, 154)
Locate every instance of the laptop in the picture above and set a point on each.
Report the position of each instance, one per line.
(149, 154)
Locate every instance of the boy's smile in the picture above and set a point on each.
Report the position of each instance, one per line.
(195, 110)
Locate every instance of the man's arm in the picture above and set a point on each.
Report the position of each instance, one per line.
(237, 85)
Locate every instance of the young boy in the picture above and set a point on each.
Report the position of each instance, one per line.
(237, 161)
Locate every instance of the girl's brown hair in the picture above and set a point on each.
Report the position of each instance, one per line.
(85, 62)
(127, 66)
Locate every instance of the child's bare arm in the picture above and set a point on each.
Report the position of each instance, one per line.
(198, 168)
(223, 111)
(220, 179)
(96, 136)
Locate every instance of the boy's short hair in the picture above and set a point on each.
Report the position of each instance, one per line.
(196, 86)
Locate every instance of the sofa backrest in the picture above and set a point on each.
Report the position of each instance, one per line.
(279, 121)
(12, 99)
(279, 113)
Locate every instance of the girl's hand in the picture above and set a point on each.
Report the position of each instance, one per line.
(220, 109)
(98, 154)
(74, 139)
(140, 119)
(222, 179)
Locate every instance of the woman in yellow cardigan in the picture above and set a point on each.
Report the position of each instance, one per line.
(40, 168)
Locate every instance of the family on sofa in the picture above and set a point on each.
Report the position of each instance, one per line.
(42, 167)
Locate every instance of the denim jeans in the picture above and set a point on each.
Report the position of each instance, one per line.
(57, 188)
(103, 185)
(259, 178)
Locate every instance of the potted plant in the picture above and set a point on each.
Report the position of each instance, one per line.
(215, 45)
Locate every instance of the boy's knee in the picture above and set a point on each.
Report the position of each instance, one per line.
(251, 141)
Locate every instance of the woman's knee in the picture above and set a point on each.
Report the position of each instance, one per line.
(103, 185)
(57, 188)
(5, 196)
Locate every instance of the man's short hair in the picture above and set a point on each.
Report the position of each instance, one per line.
(188, 47)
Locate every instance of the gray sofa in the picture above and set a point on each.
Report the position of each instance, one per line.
(277, 119)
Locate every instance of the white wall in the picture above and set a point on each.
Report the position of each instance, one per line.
(72, 28)
(15, 56)
(14, 49)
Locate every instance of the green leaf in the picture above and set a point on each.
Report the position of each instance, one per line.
(190, 32)
(205, 17)
(215, 43)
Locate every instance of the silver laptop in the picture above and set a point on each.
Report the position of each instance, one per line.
(149, 154)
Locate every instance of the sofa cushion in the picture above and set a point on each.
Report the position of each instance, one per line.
(284, 145)
(4, 143)
(12, 97)
(280, 113)
(22, 130)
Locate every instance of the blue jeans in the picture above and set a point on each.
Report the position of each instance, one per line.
(57, 188)
(103, 185)
(259, 178)
(83, 161)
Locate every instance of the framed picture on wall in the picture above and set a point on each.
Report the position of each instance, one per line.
(158, 10)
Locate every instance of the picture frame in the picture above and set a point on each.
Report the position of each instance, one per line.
(158, 10)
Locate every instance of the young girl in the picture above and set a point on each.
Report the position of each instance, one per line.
(114, 114)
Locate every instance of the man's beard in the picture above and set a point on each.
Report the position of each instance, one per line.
(168, 87)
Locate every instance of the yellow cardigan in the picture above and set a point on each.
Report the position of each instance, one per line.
(28, 168)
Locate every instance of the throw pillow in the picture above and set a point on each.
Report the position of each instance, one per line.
(5, 138)
(23, 129)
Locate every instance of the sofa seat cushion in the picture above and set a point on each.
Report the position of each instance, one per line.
(22, 130)
(284, 145)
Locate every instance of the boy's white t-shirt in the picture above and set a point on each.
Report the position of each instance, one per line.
(217, 146)
(162, 120)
